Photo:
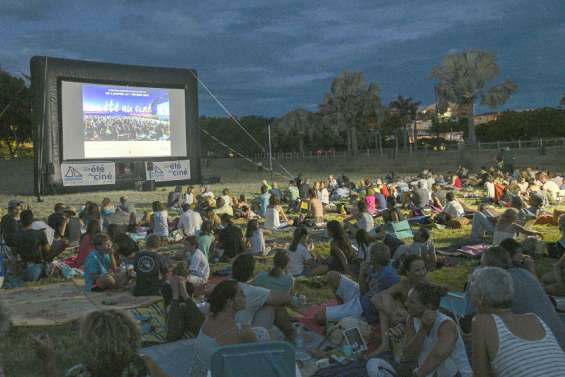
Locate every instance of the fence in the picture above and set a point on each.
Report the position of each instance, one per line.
(539, 144)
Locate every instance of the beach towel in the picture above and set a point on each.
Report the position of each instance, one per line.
(152, 323)
(474, 250)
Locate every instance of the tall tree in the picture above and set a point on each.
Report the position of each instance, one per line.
(350, 105)
(294, 126)
(462, 79)
(15, 116)
(407, 109)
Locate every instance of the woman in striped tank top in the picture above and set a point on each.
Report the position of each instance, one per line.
(507, 344)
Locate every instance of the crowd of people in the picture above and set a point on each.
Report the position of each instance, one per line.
(378, 278)
(125, 127)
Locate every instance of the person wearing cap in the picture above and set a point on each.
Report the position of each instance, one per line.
(10, 224)
(58, 221)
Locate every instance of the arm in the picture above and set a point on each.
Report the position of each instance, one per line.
(480, 358)
(558, 271)
(282, 214)
(520, 229)
(413, 340)
(447, 336)
(363, 286)
(278, 298)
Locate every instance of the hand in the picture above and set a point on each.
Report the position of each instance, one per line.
(396, 333)
(428, 319)
(43, 346)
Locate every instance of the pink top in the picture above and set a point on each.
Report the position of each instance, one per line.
(84, 249)
(371, 204)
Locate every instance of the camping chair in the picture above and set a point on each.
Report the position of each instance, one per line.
(264, 359)
(399, 229)
(456, 304)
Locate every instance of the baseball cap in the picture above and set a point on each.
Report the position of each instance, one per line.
(13, 203)
(69, 209)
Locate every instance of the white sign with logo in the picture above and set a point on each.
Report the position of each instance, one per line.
(164, 171)
(88, 174)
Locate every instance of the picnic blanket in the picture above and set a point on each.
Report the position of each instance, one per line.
(474, 250)
(152, 322)
(60, 303)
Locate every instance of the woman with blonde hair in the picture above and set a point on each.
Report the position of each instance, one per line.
(110, 342)
(507, 227)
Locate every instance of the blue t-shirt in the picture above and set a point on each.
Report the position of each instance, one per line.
(95, 263)
(381, 201)
(378, 281)
(278, 284)
(264, 203)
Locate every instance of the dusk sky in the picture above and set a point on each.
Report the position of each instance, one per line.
(270, 57)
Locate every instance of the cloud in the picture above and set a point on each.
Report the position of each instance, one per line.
(268, 57)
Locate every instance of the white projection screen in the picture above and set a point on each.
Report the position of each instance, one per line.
(102, 121)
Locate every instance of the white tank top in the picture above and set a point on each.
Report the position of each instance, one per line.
(457, 361)
(272, 220)
(517, 357)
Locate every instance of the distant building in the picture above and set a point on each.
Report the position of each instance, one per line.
(485, 118)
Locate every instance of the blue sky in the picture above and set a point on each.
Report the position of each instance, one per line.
(268, 57)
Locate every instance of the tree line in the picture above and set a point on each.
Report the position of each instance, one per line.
(350, 115)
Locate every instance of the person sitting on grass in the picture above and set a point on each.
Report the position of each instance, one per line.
(275, 218)
(184, 319)
(315, 208)
(507, 227)
(453, 208)
(263, 201)
(198, 267)
(390, 302)
(150, 269)
(300, 259)
(159, 221)
(554, 281)
(85, 244)
(173, 199)
(34, 248)
(431, 339)
(363, 220)
(277, 279)
(255, 239)
(98, 273)
(518, 258)
(505, 343)
(206, 239)
(231, 238)
(190, 221)
(341, 252)
(422, 246)
(263, 307)
(110, 343)
(222, 207)
(356, 299)
(529, 296)
(392, 214)
(58, 221)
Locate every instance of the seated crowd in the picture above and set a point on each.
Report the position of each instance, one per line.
(377, 277)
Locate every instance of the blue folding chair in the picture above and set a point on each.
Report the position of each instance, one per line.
(457, 304)
(263, 359)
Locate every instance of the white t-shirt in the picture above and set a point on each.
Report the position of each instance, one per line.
(297, 259)
(489, 186)
(325, 196)
(454, 209)
(188, 198)
(227, 199)
(190, 223)
(199, 265)
(255, 298)
(366, 222)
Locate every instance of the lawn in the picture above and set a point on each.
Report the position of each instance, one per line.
(16, 348)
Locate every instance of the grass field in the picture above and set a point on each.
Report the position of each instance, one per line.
(16, 348)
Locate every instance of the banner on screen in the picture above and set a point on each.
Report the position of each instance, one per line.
(91, 174)
(164, 171)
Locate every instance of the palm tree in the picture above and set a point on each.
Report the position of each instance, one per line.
(461, 79)
(407, 109)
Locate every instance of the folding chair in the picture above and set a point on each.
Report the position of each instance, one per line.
(175, 359)
(456, 303)
(264, 359)
(400, 229)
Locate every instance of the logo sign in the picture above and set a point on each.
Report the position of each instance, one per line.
(89, 174)
(164, 171)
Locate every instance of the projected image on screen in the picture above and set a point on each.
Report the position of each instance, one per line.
(118, 121)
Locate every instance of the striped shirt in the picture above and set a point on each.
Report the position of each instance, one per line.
(517, 357)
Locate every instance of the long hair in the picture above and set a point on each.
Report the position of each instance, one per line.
(92, 229)
(280, 262)
(340, 238)
(252, 226)
(110, 341)
(226, 290)
(299, 233)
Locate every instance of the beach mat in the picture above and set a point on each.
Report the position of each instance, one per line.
(60, 303)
